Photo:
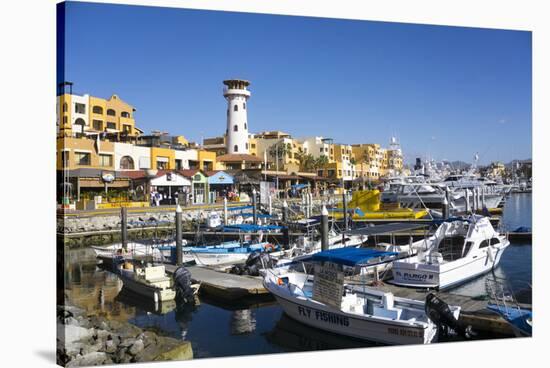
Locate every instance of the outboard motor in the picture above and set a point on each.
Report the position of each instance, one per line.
(254, 263)
(182, 284)
(439, 312)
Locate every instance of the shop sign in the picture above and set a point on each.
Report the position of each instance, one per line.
(108, 177)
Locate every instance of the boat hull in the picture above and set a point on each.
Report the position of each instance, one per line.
(147, 291)
(444, 276)
(318, 315)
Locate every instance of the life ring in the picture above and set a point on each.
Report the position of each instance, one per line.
(269, 248)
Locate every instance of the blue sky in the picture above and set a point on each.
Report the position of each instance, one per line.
(447, 92)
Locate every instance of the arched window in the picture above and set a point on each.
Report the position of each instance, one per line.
(65, 107)
(81, 123)
(236, 108)
(244, 105)
(111, 112)
(246, 145)
(125, 114)
(235, 128)
(245, 126)
(97, 110)
(236, 148)
(127, 163)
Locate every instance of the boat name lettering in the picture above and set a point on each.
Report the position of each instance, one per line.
(403, 332)
(323, 316)
(414, 276)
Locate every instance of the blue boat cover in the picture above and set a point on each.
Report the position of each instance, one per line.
(258, 215)
(348, 256)
(515, 316)
(239, 208)
(251, 227)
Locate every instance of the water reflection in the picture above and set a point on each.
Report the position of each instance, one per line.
(518, 211)
(296, 336)
(243, 321)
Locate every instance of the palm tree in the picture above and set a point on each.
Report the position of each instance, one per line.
(321, 162)
(278, 151)
(307, 161)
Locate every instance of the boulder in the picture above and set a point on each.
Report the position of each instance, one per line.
(110, 346)
(72, 333)
(95, 358)
(182, 351)
(137, 347)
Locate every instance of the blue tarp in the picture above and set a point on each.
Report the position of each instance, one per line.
(299, 186)
(348, 256)
(251, 228)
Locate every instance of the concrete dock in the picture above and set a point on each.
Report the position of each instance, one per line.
(474, 310)
(225, 286)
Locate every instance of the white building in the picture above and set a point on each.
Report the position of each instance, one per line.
(236, 94)
(317, 146)
(79, 113)
(132, 157)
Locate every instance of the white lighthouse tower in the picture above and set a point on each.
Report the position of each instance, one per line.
(236, 94)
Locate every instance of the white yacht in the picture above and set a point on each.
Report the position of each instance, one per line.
(458, 251)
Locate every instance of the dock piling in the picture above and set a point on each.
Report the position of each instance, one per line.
(179, 255)
(124, 227)
(286, 236)
(324, 228)
(225, 210)
(254, 207)
(445, 205)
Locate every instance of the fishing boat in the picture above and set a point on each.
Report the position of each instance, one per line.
(147, 280)
(324, 301)
(460, 249)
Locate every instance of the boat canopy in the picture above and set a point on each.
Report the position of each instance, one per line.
(348, 256)
(387, 228)
(251, 227)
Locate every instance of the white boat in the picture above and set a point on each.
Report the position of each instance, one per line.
(308, 245)
(362, 313)
(132, 250)
(226, 253)
(460, 250)
(149, 281)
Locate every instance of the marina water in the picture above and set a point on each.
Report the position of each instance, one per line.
(219, 329)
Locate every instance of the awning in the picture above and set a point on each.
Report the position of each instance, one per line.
(348, 256)
(299, 186)
(387, 228)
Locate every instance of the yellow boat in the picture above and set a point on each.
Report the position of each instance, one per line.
(367, 206)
